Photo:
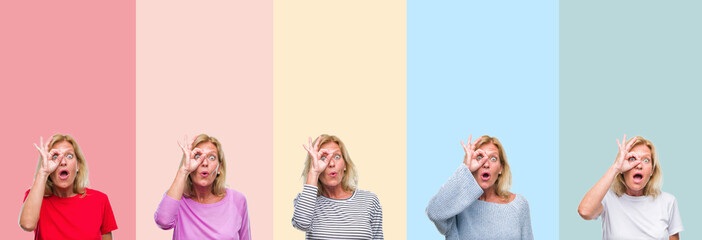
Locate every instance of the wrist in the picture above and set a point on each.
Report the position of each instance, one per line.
(614, 170)
(42, 175)
(312, 178)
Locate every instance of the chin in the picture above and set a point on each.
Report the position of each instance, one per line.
(331, 184)
(63, 185)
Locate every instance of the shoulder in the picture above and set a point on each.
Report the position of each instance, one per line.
(236, 195)
(520, 201)
(95, 193)
(367, 196)
(666, 197)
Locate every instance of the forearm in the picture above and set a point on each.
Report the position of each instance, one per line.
(178, 186)
(591, 205)
(29, 216)
(107, 236)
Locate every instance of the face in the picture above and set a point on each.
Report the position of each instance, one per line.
(206, 173)
(67, 169)
(332, 175)
(486, 176)
(637, 178)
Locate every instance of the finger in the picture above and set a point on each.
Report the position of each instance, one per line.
(316, 144)
(190, 145)
(619, 145)
(198, 151)
(54, 152)
(482, 161)
(46, 145)
(37, 147)
(631, 143)
(200, 160)
(634, 164)
(464, 146)
(475, 154)
(632, 154)
(326, 161)
(475, 143)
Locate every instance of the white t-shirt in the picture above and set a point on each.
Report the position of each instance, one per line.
(644, 217)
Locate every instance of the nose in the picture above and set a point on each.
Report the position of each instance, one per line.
(486, 164)
(63, 160)
(332, 163)
(204, 163)
(639, 165)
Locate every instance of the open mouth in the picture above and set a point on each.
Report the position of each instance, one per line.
(204, 174)
(333, 174)
(638, 177)
(485, 176)
(63, 175)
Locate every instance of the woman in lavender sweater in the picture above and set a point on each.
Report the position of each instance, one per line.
(198, 205)
(476, 203)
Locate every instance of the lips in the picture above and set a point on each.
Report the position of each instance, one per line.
(333, 174)
(204, 174)
(485, 176)
(63, 175)
(638, 177)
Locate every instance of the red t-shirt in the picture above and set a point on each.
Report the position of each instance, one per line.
(75, 217)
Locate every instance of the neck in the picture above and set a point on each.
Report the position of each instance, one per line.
(489, 195)
(634, 193)
(335, 192)
(202, 193)
(64, 192)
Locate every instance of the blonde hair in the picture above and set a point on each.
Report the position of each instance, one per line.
(81, 180)
(504, 180)
(653, 187)
(350, 179)
(219, 184)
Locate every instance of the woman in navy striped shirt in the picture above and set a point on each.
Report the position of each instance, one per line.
(330, 206)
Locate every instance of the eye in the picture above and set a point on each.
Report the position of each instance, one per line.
(646, 160)
(54, 157)
(493, 159)
(337, 156)
(197, 155)
(213, 157)
(631, 159)
(479, 157)
(324, 158)
(69, 156)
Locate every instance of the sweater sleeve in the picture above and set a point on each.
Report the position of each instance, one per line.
(304, 208)
(245, 230)
(526, 222)
(459, 192)
(377, 219)
(166, 214)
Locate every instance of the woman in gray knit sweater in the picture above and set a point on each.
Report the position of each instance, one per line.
(476, 203)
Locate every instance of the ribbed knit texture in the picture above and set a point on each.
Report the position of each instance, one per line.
(458, 214)
(358, 217)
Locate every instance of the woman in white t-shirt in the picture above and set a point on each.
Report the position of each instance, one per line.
(629, 199)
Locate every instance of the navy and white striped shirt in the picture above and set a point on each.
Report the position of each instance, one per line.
(357, 217)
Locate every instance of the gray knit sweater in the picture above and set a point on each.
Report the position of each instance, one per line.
(458, 214)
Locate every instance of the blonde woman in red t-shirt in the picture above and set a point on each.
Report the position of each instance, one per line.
(59, 205)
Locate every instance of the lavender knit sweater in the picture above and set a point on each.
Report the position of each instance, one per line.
(458, 214)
